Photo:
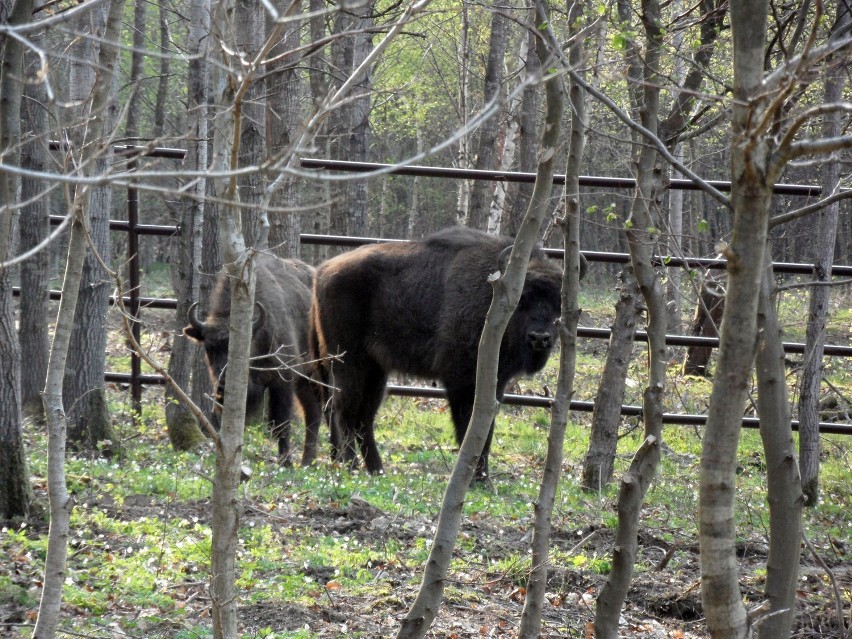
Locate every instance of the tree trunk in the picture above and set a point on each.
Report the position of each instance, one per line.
(641, 240)
(822, 244)
(603, 440)
(60, 501)
(709, 308)
(34, 227)
(250, 32)
(227, 76)
(89, 424)
(485, 158)
(463, 161)
(186, 263)
(750, 196)
(165, 73)
(530, 625)
(782, 472)
(284, 112)
(359, 123)
(506, 294)
(15, 491)
(526, 137)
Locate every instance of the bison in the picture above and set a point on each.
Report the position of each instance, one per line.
(279, 347)
(418, 308)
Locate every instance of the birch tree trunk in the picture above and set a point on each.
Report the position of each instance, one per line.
(507, 289)
(61, 502)
(530, 626)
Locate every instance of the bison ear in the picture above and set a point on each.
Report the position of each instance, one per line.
(584, 266)
(193, 333)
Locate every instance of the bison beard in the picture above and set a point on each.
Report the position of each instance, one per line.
(278, 349)
(419, 308)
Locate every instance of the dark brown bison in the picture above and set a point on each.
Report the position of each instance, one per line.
(279, 347)
(418, 308)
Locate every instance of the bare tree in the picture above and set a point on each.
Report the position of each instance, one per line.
(507, 289)
(823, 255)
(530, 626)
(762, 145)
(60, 501)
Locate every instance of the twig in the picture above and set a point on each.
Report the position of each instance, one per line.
(838, 598)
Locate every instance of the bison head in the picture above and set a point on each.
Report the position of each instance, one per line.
(214, 335)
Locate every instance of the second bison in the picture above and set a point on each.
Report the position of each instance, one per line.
(279, 347)
(418, 308)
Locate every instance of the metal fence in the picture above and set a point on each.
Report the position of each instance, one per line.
(134, 301)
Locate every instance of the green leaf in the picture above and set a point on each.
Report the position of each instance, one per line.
(703, 226)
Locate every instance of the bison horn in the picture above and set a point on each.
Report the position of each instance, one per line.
(261, 317)
(503, 258)
(192, 316)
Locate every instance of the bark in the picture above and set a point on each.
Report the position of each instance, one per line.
(641, 238)
(15, 491)
(165, 73)
(250, 31)
(706, 320)
(507, 289)
(486, 156)
(61, 503)
(34, 227)
(134, 107)
(530, 625)
(600, 458)
(823, 243)
(226, 89)
(89, 424)
(782, 471)
(530, 103)
(463, 161)
(359, 123)
(186, 264)
(284, 110)
(751, 177)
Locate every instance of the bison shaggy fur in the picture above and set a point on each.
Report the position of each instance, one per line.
(279, 347)
(418, 308)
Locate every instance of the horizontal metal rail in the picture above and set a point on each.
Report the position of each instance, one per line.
(515, 176)
(536, 401)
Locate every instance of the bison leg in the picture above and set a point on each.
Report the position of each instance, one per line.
(280, 414)
(461, 407)
(356, 401)
(308, 396)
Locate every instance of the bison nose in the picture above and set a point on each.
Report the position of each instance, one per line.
(539, 340)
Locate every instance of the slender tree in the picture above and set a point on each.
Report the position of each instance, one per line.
(57, 422)
(507, 289)
(530, 626)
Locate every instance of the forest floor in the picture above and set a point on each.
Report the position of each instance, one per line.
(329, 553)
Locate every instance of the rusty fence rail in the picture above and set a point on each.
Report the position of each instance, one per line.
(135, 302)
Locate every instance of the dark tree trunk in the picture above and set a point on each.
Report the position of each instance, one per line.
(34, 226)
(705, 323)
